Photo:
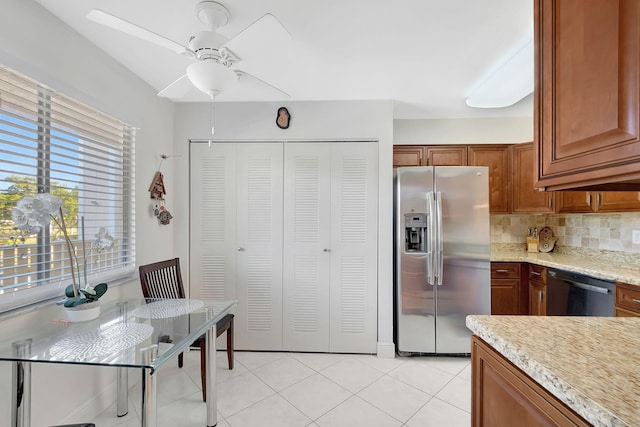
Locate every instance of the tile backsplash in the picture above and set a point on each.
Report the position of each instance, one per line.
(610, 232)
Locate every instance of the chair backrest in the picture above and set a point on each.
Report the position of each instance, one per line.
(162, 279)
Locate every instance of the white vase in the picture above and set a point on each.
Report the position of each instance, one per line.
(83, 312)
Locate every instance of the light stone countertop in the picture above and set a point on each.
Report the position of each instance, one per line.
(620, 266)
(592, 364)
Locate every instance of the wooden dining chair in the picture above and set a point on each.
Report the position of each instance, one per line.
(163, 280)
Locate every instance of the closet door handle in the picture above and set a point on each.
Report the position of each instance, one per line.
(240, 249)
(326, 250)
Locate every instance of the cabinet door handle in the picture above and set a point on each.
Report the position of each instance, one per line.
(326, 250)
(636, 300)
(598, 199)
(535, 273)
(540, 296)
(240, 249)
(589, 199)
(502, 271)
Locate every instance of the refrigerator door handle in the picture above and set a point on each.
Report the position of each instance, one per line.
(431, 273)
(439, 256)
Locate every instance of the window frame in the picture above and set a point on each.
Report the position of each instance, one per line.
(112, 147)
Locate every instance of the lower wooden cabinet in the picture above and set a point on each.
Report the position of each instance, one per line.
(537, 290)
(503, 395)
(506, 289)
(627, 300)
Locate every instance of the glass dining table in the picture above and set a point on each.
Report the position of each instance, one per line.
(135, 333)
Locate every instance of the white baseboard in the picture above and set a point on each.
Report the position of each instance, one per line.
(100, 402)
(92, 408)
(386, 350)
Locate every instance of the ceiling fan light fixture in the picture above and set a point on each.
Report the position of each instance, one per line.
(211, 77)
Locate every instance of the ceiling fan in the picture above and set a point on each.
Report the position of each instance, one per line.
(216, 58)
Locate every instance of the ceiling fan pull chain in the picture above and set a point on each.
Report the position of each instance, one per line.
(213, 130)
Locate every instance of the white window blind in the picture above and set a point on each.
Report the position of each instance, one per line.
(50, 143)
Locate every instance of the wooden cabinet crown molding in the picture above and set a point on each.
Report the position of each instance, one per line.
(587, 95)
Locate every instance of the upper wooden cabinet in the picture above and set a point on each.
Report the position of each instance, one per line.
(587, 94)
(511, 180)
(446, 155)
(498, 159)
(618, 201)
(525, 198)
(408, 155)
(597, 201)
(574, 202)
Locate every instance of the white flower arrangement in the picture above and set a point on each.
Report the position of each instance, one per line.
(32, 213)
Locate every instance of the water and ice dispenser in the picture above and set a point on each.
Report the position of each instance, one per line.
(415, 232)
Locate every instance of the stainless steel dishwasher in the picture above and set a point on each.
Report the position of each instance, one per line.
(573, 294)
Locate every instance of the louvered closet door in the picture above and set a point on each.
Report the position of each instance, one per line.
(259, 246)
(212, 261)
(354, 243)
(306, 275)
(213, 245)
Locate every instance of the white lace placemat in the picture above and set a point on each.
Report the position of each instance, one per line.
(167, 308)
(101, 341)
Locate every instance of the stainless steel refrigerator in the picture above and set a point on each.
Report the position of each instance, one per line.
(442, 249)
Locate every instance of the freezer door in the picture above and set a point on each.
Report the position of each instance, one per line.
(464, 281)
(415, 307)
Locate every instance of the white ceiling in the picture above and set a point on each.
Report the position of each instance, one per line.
(426, 55)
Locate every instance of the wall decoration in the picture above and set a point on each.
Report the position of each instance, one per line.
(165, 217)
(283, 118)
(156, 189)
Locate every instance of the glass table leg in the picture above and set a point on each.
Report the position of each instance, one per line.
(149, 404)
(122, 384)
(212, 395)
(21, 385)
(122, 378)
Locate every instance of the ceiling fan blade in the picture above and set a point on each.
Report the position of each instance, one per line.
(251, 88)
(265, 50)
(244, 76)
(176, 90)
(111, 21)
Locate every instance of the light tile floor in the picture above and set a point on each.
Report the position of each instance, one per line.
(307, 389)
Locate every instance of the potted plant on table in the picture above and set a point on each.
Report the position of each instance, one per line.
(30, 215)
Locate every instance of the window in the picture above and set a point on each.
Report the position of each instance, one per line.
(50, 143)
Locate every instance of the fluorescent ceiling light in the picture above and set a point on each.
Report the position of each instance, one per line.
(508, 84)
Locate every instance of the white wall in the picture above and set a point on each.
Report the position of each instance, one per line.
(310, 121)
(35, 43)
(507, 130)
